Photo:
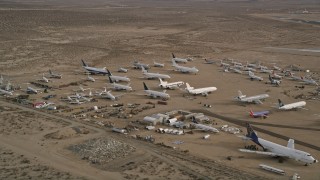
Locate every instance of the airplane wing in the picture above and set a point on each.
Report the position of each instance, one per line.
(262, 152)
(257, 101)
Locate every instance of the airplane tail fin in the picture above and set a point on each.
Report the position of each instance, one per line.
(143, 69)
(173, 56)
(109, 73)
(240, 93)
(145, 86)
(291, 143)
(251, 134)
(161, 82)
(280, 103)
(110, 80)
(188, 86)
(193, 119)
(83, 63)
(174, 63)
(251, 113)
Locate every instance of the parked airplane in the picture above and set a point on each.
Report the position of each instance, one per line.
(295, 105)
(276, 68)
(54, 75)
(261, 114)
(293, 77)
(124, 70)
(117, 78)
(274, 81)
(253, 77)
(156, 64)
(93, 70)
(108, 95)
(236, 63)
(43, 79)
(208, 61)
(118, 87)
(264, 70)
(154, 75)
(76, 101)
(309, 81)
(173, 85)
(89, 78)
(203, 91)
(138, 65)
(31, 90)
(277, 150)
(174, 58)
(184, 69)
(251, 65)
(155, 94)
(224, 64)
(81, 89)
(247, 68)
(251, 99)
(276, 76)
(203, 127)
(5, 92)
(235, 70)
(41, 105)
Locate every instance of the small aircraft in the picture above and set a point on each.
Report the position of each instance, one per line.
(203, 127)
(118, 87)
(251, 99)
(154, 75)
(247, 68)
(276, 68)
(89, 78)
(5, 92)
(291, 106)
(174, 58)
(274, 81)
(253, 77)
(251, 65)
(93, 70)
(118, 78)
(293, 77)
(138, 65)
(277, 150)
(263, 70)
(236, 63)
(31, 90)
(54, 75)
(156, 64)
(208, 61)
(261, 114)
(43, 79)
(184, 69)
(76, 101)
(155, 94)
(276, 76)
(224, 64)
(108, 95)
(173, 85)
(203, 91)
(81, 89)
(261, 67)
(235, 70)
(41, 105)
(124, 70)
(309, 81)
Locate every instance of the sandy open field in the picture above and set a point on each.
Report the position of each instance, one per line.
(40, 35)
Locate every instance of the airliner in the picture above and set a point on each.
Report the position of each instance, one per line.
(93, 70)
(138, 65)
(118, 78)
(154, 75)
(204, 91)
(155, 94)
(184, 69)
(261, 114)
(295, 105)
(173, 85)
(203, 127)
(156, 64)
(251, 99)
(117, 86)
(252, 76)
(174, 58)
(54, 75)
(274, 81)
(277, 150)
(4, 92)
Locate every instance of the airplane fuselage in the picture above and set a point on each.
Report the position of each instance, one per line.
(93, 70)
(293, 105)
(157, 94)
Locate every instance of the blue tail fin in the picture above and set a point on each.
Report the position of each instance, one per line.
(83, 63)
(194, 120)
(251, 134)
(110, 80)
(145, 86)
(109, 73)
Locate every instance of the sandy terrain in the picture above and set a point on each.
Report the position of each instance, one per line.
(56, 35)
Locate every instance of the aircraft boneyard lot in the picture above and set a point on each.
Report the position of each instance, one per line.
(76, 141)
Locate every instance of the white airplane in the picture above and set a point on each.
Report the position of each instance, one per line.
(208, 61)
(174, 58)
(138, 65)
(155, 94)
(81, 89)
(89, 78)
(76, 101)
(118, 78)
(235, 70)
(203, 91)
(124, 70)
(261, 67)
(247, 68)
(263, 70)
(224, 64)
(31, 90)
(251, 65)
(108, 95)
(42, 105)
(54, 75)
(156, 64)
(276, 68)
(154, 75)
(93, 70)
(236, 63)
(118, 87)
(203, 127)
(251, 99)
(274, 81)
(173, 85)
(309, 81)
(184, 69)
(296, 78)
(276, 76)
(43, 79)
(277, 150)
(291, 106)
(253, 77)
(5, 92)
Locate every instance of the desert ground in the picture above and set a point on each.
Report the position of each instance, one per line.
(75, 142)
